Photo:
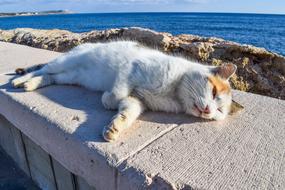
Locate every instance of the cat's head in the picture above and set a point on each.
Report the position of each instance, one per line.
(206, 93)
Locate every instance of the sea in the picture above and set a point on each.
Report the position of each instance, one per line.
(261, 30)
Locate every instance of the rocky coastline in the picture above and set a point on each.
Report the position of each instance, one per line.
(259, 71)
(35, 13)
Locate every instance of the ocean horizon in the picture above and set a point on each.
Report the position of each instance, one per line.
(261, 30)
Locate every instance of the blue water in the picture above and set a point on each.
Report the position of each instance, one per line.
(261, 30)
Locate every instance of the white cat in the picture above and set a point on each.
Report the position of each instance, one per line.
(135, 78)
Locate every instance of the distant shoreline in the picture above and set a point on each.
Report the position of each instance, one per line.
(35, 13)
(54, 12)
(157, 12)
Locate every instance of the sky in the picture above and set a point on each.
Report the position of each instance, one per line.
(102, 6)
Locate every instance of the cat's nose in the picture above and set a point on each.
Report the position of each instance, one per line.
(207, 110)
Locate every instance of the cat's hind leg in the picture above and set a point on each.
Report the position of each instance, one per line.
(19, 82)
(39, 82)
(59, 65)
(129, 110)
(43, 70)
(56, 67)
(50, 79)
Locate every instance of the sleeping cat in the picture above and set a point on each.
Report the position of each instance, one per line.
(135, 78)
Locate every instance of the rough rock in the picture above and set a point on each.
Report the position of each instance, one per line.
(259, 71)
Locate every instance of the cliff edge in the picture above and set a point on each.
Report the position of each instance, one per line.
(259, 71)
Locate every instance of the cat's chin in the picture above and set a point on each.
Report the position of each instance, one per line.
(195, 112)
(219, 117)
(210, 117)
(215, 116)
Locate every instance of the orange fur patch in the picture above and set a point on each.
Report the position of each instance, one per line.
(221, 85)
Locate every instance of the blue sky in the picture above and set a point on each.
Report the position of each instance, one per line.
(237, 6)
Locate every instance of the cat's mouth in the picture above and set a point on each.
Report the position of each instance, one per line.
(199, 113)
(202, 112)
(208, 115)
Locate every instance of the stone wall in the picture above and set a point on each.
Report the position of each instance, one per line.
(259, 71)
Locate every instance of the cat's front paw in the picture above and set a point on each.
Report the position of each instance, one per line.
(112, 131)
(109, 134)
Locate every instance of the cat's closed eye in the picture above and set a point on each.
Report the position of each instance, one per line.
(214, 92)
(220, 109)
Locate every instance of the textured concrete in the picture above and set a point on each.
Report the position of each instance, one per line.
(161, 150)
(11, 177)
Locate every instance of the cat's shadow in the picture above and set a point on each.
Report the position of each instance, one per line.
(96, 116)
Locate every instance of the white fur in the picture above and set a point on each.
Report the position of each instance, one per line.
(124, 68)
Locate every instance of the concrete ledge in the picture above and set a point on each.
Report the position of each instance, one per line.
(36, 163)
(160, 151)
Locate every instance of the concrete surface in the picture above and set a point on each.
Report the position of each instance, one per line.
(160, 151)
(11, 177)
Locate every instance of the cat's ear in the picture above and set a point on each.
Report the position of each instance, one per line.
(225, 71)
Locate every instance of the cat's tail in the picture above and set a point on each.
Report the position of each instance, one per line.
(22, 71)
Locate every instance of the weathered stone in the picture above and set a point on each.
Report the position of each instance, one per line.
(259, 71)
(148, 37)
